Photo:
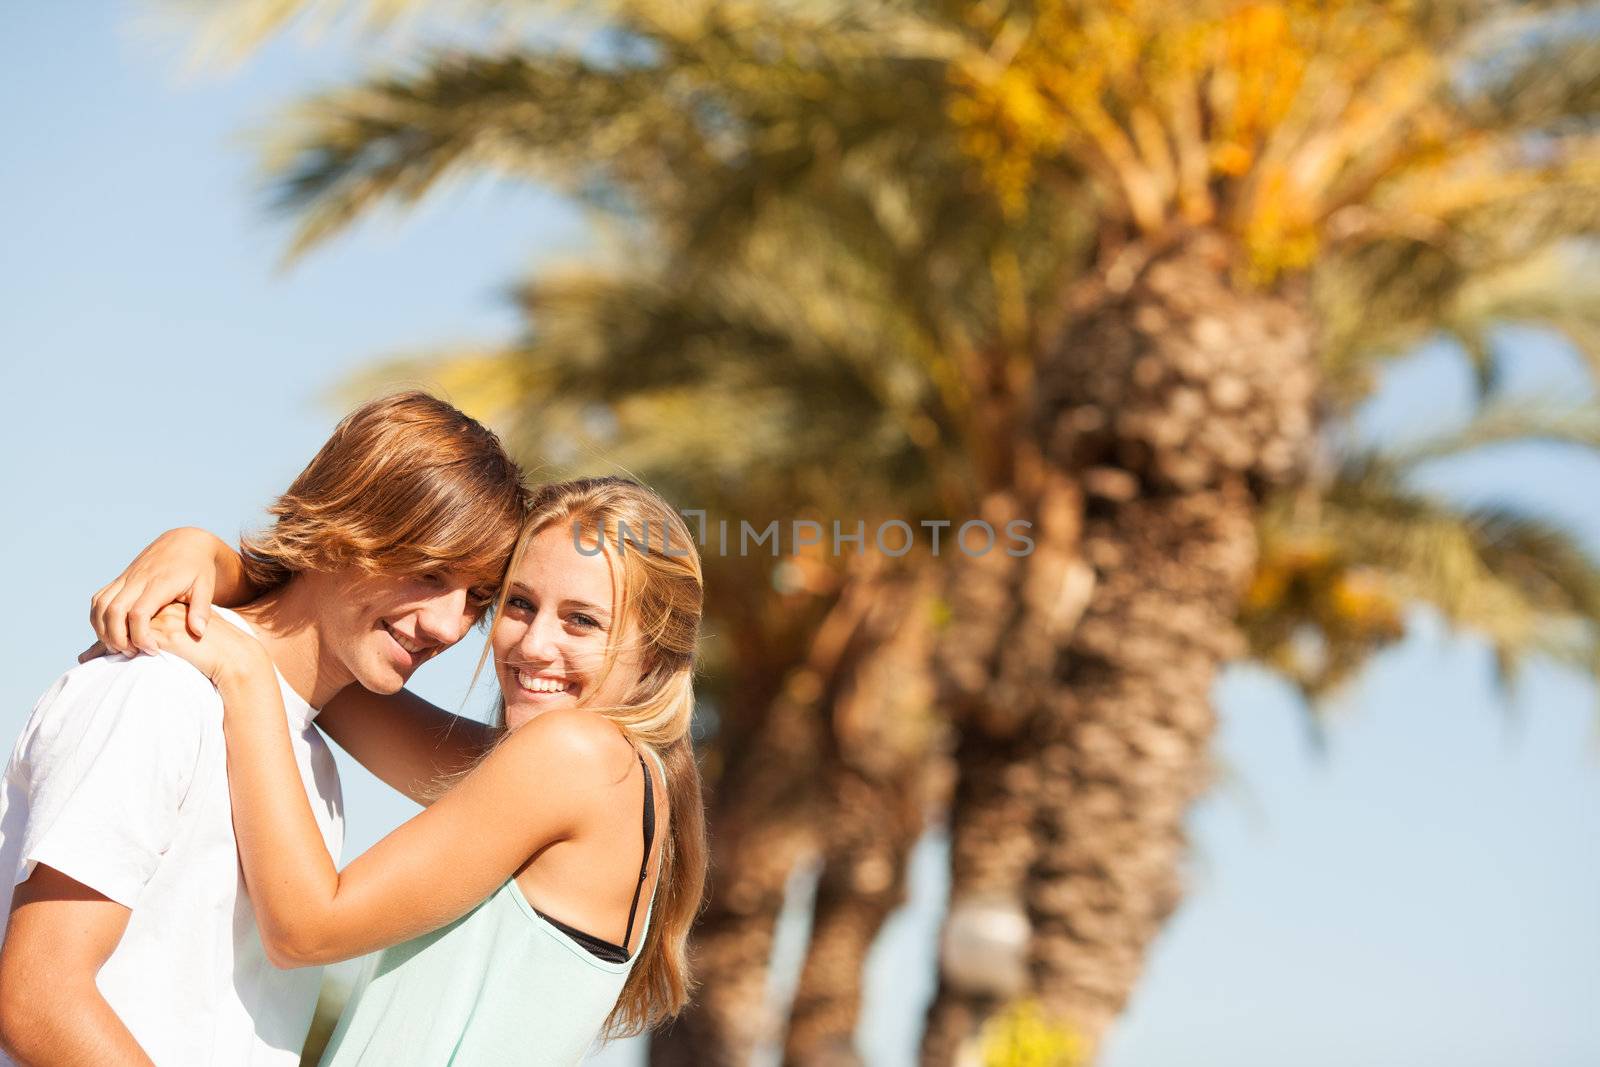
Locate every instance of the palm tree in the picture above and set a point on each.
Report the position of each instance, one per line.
(1118, 270)
(1291, 191)
(823, 744)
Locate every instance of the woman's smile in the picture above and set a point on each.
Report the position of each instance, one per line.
(538, 684)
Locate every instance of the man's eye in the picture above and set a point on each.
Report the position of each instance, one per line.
(483, 597)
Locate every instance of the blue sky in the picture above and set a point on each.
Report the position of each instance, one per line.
(1429, 892)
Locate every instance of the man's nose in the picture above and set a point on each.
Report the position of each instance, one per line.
(445, 619)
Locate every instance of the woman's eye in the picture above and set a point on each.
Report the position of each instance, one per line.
(584, 620)
(518, 603)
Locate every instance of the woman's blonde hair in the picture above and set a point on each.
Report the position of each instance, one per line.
(406, 484)
(659, 596)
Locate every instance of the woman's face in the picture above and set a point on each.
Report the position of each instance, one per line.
(550, 641)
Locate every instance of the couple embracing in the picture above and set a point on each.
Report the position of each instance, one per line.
(171, 812)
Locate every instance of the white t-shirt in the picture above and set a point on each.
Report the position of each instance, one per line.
(120, 782)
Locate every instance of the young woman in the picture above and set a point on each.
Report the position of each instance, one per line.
(545, 896)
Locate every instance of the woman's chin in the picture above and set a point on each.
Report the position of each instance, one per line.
(525, 710)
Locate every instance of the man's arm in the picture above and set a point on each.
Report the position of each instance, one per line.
(404, 740)
(60, 934)
(105, 762)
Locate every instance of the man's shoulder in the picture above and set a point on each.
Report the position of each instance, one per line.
(164, 683)
(162, 671)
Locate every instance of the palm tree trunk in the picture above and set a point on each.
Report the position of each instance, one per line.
(1174, 398)
(846, 739)
(1009, 614)
(760, 829)
(862, 882)
(984, 958)
(886, 774)
(1129, 749)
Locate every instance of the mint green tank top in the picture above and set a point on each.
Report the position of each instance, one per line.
(500, 986)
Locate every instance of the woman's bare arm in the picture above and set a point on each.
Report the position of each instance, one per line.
(536, 788)
(549, 781)
(188, 566)
(404, 740)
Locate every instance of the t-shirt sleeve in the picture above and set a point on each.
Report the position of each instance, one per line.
(107, 764)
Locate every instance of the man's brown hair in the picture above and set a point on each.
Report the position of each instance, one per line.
(407, 484)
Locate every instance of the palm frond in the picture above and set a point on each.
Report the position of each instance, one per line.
(1547, 83)
(728, 382)
(1503, 422)
(1458, 24)
(225, 32)
(1384, 297)
(560, 120)
(1558, 288)
(1335, 578)
(675, 96)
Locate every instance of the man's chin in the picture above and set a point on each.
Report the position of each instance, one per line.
(383, 682)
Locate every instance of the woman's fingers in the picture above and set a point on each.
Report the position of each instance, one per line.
(168, 628)
(95, 603)
(121, 612)
(139, 613)
(200, 595)
(109, 627)
(177, 566)
(171, 612)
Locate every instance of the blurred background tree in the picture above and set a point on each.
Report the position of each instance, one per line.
(1120, 270)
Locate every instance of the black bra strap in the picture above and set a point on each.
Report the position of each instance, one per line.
(649, 837)
(604, 950)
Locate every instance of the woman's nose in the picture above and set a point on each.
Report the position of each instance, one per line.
(540, 640)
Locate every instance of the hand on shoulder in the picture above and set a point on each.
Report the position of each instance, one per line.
(224, 651)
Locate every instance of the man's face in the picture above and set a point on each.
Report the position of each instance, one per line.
(382, 628)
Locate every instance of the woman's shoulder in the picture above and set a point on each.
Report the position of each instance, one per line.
(570, 742)
(550, 776)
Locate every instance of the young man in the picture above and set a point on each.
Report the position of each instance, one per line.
(130, 938)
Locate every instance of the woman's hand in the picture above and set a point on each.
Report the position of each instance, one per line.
(226, 654)
(181, 566)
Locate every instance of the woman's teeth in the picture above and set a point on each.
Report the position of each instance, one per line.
(540, 685)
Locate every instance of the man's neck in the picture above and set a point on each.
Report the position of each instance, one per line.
(285, 621)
